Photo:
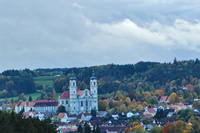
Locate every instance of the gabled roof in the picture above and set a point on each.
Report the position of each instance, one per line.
(30, 104)
(28, 113)
(65, 95)
(20, 103)
(151, 110)
(61, 115)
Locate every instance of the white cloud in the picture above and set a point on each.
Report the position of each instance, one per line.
(82, 33)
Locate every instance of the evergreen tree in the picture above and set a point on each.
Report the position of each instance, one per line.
(93, 112)
(94, 129)
(30, 99)
(87, 128)
(98, 129)
(80, 129)
(61, 109)
(159, 114)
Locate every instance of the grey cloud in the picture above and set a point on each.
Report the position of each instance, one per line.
(78, 33)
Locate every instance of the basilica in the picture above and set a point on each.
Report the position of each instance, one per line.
(78, 101)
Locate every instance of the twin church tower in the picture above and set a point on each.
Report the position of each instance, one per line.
(78, 101)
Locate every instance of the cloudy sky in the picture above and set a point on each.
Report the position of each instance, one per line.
(76, 33)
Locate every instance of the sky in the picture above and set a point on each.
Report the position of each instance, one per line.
(78, 33)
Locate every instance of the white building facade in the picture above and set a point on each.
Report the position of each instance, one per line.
(76, 101)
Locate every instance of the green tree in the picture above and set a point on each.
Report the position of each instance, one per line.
(93, 112)
(61, 109)
(22, 97)
(159, 114)
(30, 99)
(98, 129)
(172, 97)
(87, 128)
(153, 100)
(79, 129)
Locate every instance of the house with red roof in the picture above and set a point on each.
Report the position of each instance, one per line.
(40, 106)
(63, 117)
(33, 114)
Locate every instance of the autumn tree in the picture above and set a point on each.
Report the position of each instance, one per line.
(172, 97)
(102, 105)
(166, 128)
(179, 126)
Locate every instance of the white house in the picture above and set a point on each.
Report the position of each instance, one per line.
(33, 114)
(132, 113)
(63, 117)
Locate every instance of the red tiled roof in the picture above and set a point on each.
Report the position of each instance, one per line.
(30, 104)
(42, 101)
(61, 115)
(151, 110)
(27, 113)
(80, 93)
(65, 95)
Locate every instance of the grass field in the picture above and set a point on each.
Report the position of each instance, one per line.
(33, 95)
(45, 80)
(42, 80)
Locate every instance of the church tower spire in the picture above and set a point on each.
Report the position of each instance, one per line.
(93, 85)
(73, 90)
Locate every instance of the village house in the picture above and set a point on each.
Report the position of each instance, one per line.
(40, 106)
(132, 113)
(33, 114)
(63, 117)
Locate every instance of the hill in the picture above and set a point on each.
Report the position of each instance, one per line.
(131, 78)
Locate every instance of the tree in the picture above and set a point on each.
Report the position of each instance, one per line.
(159, 114)
(166, 128)
(179, 126)
(153, 100)
(190, 96)
(98, 129)
(155, 129)
(195, 127)
(122, 108)
(61, 109)
(87, 128)
(93, 112)
(30, 99)
(22, 97)
(102, 105)
(172, 97)
(79, 129)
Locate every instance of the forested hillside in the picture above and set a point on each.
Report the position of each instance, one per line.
(140, 77)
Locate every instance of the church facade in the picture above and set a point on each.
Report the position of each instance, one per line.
(78, 101)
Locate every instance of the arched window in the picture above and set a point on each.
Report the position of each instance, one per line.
(85, 93)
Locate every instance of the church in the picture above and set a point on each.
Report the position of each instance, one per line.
(78, 101)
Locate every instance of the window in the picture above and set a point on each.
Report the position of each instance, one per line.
(66, 102)
(73, 84)
(85, 93)
(62, 102)
(81, 103)
(94, 83)
(74, 102)
(74, 108)
(86, 103)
